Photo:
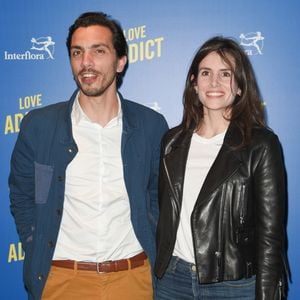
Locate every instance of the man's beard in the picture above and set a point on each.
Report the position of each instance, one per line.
(94, 91)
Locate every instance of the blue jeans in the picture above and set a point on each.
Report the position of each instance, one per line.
(180, 282)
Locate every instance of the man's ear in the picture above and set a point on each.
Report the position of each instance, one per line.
(121, 64)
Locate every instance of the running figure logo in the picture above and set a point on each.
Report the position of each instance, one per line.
(253, 42)
(44, 44)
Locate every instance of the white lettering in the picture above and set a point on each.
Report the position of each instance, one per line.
(23, 56)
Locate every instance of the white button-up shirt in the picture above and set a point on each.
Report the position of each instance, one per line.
(96, 223)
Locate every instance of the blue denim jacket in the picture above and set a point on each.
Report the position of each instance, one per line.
(44, 148)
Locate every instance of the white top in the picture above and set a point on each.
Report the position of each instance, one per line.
(96, 223)
(202, 154)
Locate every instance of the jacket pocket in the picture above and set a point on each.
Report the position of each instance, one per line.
(244, 235)
(43, 178)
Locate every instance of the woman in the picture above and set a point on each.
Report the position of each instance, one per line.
(221, 231)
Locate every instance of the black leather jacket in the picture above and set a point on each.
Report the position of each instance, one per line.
(238, 222)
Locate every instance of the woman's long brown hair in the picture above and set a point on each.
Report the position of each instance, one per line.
(247, 109)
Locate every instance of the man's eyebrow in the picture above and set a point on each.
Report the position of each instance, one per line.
(91, 47)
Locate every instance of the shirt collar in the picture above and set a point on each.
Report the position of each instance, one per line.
(78, 115)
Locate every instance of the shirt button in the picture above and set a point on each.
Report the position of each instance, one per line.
(60, 178)
(41, 277)
(193, 268)
(70, 150)
(58, 211)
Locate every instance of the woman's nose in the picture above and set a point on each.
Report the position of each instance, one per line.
(215, 80)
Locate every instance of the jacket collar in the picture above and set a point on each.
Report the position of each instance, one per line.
(182, 138)
(225, 164)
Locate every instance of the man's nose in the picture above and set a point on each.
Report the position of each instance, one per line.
(87, 59)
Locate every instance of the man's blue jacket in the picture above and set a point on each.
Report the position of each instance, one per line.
(44, 148)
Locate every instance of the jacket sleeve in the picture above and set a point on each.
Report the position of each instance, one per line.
(270, 201)
(22, 186)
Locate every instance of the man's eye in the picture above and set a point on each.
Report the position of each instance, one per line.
(100, 51)
(76, 53)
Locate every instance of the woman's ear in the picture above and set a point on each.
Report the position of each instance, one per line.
(194, 85)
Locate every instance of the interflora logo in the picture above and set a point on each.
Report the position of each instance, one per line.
(253, 42)
(42, 48)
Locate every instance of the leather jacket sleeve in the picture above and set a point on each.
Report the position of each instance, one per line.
(270, 198)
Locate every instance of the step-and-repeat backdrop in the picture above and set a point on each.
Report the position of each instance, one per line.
(163, 37)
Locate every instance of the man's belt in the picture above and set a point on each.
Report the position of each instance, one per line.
(103, 267)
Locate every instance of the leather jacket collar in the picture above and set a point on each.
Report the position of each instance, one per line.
(226, 162)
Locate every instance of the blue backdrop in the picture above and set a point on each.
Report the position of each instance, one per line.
(163, 37)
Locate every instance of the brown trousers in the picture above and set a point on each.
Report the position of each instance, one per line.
(69, 284)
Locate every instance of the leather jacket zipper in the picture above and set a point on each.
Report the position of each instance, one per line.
(243, 207)
(176, 210)
(169, 180)
(280, 287)
(218, 255)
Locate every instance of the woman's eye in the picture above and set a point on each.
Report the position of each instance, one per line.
(226, 74)
(204, 73)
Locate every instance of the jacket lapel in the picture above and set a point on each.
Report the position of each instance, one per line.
(131, 145)
(225, 164)
(175, 162)
(130, 125)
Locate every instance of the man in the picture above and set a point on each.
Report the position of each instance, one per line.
(83, 181)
